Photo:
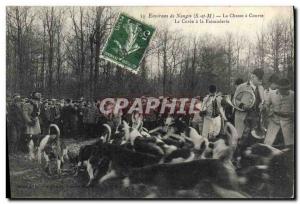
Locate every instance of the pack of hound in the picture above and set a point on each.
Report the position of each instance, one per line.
(175, 156)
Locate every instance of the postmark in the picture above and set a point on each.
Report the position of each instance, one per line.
(127, 42)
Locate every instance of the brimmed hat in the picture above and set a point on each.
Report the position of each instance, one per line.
(36, 95)
(274, 78)
(283, 84)
(16, 96)
(259, 73)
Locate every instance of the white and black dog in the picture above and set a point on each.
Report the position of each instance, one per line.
(223, 145)
(269, 171)
(143, 142)
(96, 157)
(91, 157)
(186, 175)
(123, 159)
(52, 147)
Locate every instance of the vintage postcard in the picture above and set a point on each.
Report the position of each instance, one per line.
(150, 102)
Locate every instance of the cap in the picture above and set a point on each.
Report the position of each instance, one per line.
(259, 73)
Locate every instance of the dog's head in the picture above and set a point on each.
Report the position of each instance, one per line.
(174, 125)
(180, 125)
(54, 130)
(259, 154)
(261, 150)
(168, 149)
(106, 136)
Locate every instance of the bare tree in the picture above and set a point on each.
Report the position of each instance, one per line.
(42, 74)
(230, 56)
(59, 54)
(80, 39)
(239, 45)
(20, 21)
(60, 51)
(50, 24)
(104, 17)
(275, 43)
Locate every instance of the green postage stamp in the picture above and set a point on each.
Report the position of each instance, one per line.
(127, 42)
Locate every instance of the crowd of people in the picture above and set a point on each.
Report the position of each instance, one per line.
(252, 107)
(31, 117)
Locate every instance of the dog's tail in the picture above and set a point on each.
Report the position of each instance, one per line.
(56, 129)
(107, 138)
(232, 135)
(127, 130)
(58, 139)
(228, 193)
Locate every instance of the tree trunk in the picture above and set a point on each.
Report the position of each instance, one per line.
(20, 67)
(165, 39)
(43, 60)
(91, 66)
(82, 57)
(97, 49)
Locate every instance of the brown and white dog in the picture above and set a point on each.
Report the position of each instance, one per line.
(52, 147)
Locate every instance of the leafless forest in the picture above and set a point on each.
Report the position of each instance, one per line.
(56, 51)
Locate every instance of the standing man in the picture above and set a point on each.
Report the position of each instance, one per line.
(89, 118)
(45, 116)
(282, 113)
(228, 108)
(249, 98)
(67, 116)
(15, 118)
(80, 117)
(212, 111)
(272, 88)
(31, 112)
(272, 83)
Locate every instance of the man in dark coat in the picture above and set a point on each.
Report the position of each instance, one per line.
(16, 123)
(67, 115)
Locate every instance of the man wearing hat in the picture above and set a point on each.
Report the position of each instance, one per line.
(31, 112)
(248, 98)
(282, 113)
(271, 90)
(212, 111)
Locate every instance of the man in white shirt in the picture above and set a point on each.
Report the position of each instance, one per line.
(212, 111)
(280, 105)
(251, 102)
(272, 88)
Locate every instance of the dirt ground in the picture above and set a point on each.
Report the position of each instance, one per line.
(29, 180)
